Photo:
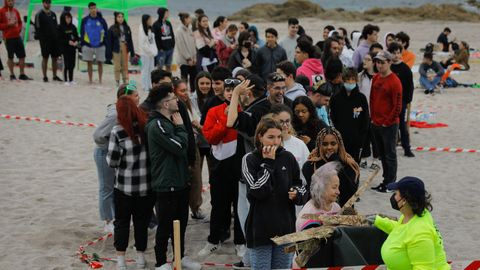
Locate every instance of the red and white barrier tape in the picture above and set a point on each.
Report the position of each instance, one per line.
(48, 121)
(444, 149)
(465, 265)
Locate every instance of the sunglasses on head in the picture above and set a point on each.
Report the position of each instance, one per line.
(230, 82)
(277, 77)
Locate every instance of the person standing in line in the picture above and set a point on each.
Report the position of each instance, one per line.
(11, 26)
(186, 53)
(68, 36)
(365, 86)
(119, 44)
(408, 57)
(206, 55)
(223, 180)
(274, 187)
(227, 45)
(164, 38)
(269, 55)
(320, 98)
(404, 73)
(93, 32)
(326, 30)
(288, 71)
(311, 67)
(106, 175)
(385, 108)
(350, 114)
(133, 196)
(369, 36)
(244, 56)
(147, 50)
(305, 121)
(289, 43)
(167, 151)
(219, 27)
(46, 31)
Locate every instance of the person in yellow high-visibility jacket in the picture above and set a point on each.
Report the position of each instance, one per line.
(413, 241)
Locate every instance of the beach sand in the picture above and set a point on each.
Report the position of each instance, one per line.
(49, 186)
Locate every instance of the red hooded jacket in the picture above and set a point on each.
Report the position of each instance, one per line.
(10, 16)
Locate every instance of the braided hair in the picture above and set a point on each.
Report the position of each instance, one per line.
(317, 154)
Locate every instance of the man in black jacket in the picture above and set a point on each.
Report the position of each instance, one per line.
(165, 39)
(350, 115)
(405, 75)
(269, 55)
(46, 31)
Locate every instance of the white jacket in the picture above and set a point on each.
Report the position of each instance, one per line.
(146, 44)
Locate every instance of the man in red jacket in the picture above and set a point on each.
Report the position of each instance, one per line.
(385, 107)
(11, 25)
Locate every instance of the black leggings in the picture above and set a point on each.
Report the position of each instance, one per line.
(69, 65)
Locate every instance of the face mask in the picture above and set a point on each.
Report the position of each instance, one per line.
(349, 86)
(394, 203)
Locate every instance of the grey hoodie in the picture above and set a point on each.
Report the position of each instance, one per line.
(101, 135)
(294, 92)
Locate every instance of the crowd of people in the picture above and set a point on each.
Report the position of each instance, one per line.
(284, 126)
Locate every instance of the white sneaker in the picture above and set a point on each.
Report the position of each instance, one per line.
(67, 83)
(121, 267)
(208, 249)
(141, 263)
(241, 249)
(109, 228)
(166, 266)
(73, 82)
(190, 264)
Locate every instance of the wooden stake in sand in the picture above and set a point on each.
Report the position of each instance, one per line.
(176, 243)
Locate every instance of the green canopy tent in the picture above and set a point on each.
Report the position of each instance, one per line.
(118, 5)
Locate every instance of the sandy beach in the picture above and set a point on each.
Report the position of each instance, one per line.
(49, 186)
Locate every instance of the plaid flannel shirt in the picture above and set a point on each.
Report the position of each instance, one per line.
(130, 163)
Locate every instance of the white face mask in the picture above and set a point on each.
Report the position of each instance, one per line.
(349, 86)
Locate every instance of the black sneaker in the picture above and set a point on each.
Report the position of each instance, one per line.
(13, 78)
(240, 265)
(426, 91)
(45, 79)
(24, 77)
(57, 79)
(380, 188)
(409, 153)
(363, 164)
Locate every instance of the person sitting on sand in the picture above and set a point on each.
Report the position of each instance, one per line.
(442, 39)
(431, 73)
(414, 241)
(460, 57)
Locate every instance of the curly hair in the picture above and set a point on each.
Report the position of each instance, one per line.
(318, 154)
(418, 204)
(321, 178)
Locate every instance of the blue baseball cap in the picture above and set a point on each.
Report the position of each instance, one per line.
(410, 184)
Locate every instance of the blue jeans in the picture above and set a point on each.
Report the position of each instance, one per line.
(270, 257)
(430, 85)
(243, 206)
(164, 58)
(106, 180)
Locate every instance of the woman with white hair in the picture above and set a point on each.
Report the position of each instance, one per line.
(324, 192)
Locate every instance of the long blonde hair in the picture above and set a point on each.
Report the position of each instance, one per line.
(317, 154)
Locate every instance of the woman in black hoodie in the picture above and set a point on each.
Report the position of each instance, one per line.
(349, 114)
(329, 147)
(68, 36)
(273, 188)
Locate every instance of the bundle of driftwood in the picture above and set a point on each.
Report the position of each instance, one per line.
(307, 242)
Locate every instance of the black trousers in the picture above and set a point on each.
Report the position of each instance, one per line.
(404, 136)
(224, 195)
(189, 73)
(170, 206)
(386, 138)
(370, 145)
(68, 65)
(126, 207)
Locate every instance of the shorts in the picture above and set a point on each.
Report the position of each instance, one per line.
(49, 47)
(88, 52)
(165, 58)
(15, 47)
